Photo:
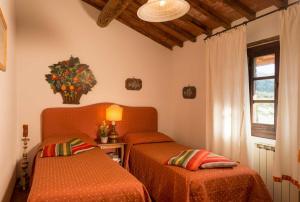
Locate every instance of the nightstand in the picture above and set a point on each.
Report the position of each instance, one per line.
(119, 147)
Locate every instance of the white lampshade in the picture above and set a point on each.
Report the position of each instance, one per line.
(114, 113)
(163, 10)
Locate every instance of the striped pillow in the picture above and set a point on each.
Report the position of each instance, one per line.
(189, 159)
(52, 150)
(75, 141)
(217, 161)
(82, 147)
(78, 146)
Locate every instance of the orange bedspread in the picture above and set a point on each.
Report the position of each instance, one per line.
(89, 176)
(169, 183)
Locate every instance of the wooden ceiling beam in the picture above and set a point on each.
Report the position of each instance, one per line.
(170, 31)
(111, 10)
(186, 34)
(188, 26)
(241, 8)
(130, 21)
(204, 28)
(151, 29)
(280, 3)
(202, 8)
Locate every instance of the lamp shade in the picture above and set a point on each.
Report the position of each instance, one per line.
(114, 113)
(163, 10)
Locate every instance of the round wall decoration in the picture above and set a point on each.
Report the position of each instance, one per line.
(71, 79)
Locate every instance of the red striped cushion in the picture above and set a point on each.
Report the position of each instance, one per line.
(52, 150)
(190, 159)
(217, 161)
(82, 147)
(75, 141)
(48, 151)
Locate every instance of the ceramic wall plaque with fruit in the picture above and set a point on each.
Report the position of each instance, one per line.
(71, 79)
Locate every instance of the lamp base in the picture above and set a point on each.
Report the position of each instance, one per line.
(113, 138)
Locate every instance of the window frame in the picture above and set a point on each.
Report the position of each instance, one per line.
(263, 130)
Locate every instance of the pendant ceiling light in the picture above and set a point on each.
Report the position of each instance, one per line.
(163, 10)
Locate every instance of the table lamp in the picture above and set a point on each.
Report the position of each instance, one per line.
(113, 114)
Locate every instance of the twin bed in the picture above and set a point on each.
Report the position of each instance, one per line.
(89, 176)
(92, 176)
(146, 161)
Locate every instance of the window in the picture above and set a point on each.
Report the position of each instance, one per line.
(263, 77)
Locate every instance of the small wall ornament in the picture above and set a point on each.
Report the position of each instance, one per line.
(71, 79)
(133, 84)
(189, 92)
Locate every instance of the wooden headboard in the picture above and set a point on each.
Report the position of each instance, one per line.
(86, 119)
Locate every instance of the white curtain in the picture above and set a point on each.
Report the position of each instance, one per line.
(287, 162)
(227, 110)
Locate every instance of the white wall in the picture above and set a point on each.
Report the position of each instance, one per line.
(188, 115)
(265, 27)
(49, 31)
(8, 108)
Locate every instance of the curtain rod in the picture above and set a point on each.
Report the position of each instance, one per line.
(246, 22)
